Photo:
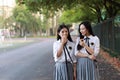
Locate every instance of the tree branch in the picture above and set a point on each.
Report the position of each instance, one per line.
(114, 3)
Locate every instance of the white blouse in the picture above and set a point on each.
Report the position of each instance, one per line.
(70, 46)
(94, 43)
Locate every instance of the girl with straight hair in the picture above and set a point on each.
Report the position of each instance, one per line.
(86, 49)
(63, 53)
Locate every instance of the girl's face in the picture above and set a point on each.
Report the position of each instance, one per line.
(63, 33)
(83, 30)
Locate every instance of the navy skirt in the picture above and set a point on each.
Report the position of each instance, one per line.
(61, 71)
(87, 70)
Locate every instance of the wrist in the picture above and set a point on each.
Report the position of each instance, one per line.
(85, 46)
(62, 44)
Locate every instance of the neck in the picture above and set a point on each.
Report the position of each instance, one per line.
(87, 35)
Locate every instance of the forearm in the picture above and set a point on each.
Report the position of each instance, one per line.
(79, 54)
(91, 51)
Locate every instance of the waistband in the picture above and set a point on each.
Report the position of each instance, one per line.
(63, 62)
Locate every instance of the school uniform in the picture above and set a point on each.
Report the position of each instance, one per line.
(86, 69)
(60, 62)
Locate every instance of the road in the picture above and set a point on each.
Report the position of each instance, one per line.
(30, 62)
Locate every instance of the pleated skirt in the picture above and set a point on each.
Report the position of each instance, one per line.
(61, 73)
(87, 70)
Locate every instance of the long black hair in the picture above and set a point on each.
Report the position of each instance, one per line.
(60, 28)
(88, 27)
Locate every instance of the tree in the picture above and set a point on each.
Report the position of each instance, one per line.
(78, 14)
(1, 22)
(110, 7)
(25, 21)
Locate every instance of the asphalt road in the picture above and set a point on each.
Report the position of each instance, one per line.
(30, 62)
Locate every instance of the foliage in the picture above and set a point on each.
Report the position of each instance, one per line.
(102, 9)
(77, 14)
(1, 22)
(25, 20)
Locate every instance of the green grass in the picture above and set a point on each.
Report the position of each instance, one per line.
(9, 45)
(37, 37)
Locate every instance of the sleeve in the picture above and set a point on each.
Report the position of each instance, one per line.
(54, 49)
(77, 42)
(74, 57)
(97, 47)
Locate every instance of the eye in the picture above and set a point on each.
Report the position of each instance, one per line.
(66, 31)
(62, 31)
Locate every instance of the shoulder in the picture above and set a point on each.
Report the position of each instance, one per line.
(71, 43)
(56, 42)
(78, 38)
(96, 37)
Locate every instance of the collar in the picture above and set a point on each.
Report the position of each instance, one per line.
(88, 36)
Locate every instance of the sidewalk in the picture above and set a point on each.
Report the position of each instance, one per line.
(106, 69)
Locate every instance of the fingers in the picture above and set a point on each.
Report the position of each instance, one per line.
(64, 39)
(82, 42)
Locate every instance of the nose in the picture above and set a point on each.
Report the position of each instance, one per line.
(65, 32)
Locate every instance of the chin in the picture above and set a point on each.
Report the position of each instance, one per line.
(83, 34)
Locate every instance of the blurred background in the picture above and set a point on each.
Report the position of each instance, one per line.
(28, 21)
(36, 18)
